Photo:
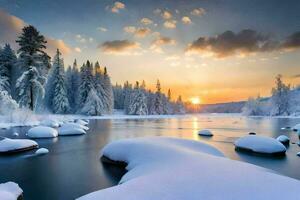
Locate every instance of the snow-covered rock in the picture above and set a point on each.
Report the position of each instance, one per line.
(70, 130)
(50, 122)
(252, 133)
(42, 132)
(82, 122)
(42, 151)
(296, 127)
(15, 134)
(205, 132)
(16, 145)
(260, 144)
(10, 191)
(177, 169)
(283, 139)
(298, 154)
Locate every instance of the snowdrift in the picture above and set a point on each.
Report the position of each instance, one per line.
(10, 191)
(42, 132)
(16, 145)
(177, 169)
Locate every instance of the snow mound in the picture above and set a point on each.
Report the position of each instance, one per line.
(50, 122)
(260, 144)
(296, 127)
(10, 191)
(298, 154)
(42, 151)
(16, 145)
(74, 125)
(177, 169)
(71, 129)
(42, 132)
(205, 132)
(82, 122)
(283, 139)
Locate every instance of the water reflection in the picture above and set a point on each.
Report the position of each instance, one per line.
(72, 168)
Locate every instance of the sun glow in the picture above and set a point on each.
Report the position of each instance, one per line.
(195, 100)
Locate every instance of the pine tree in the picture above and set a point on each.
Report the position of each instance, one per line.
(127, 90)
(7, 104)
(86, 83)
(7, 64)
(138, 104)
(60, 102)
(33, 62)
(158, 107)
(280, 97)
(93, 104)
(73, 82)
(108, 92)
(179, 106)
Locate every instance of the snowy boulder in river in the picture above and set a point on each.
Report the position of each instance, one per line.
(296, 127)
(16, 145)
(283, 139)
(42, 151)
(205, 132)
(71, 129)
(50, 122)
(42, 132)
(178, 169)
(82, 122)
(260, 144)
(10, 191)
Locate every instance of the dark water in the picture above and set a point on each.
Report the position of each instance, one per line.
(72, 168)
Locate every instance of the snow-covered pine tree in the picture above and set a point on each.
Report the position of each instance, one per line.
(33, 62)
(118, 96)
(7, 67)
(73, 82)
(138, 104)
(60, 102)
(30, 88)
(109, 98)
(99, 88)
(7, 103)
(127, 90)
(158, 106)
(253, 107)
(86, 83)
(179, 106)
(93, 105)
(280, 97)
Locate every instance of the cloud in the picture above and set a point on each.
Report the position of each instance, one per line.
(117, 7)
(137, 32)
(146, 21)
(186, 20)
(230, 43)
(161, 41)
(198, 12)
(77, 49)
(11, 28)
(166, 14)
(170, 24)
(102, 29)
(121, 47)
(292, 42)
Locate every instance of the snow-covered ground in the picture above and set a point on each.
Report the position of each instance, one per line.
(176, 169)
(10, 191)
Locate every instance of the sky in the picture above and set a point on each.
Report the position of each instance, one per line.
(216, 50)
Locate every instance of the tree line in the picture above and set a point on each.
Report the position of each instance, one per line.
(30, 79)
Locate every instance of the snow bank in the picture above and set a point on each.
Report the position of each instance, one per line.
(260, 144)
(42, 132)
(16, 145)
(205, 132)
(177, 169)
(10, 191)
(42, 151)
(50, 122)
(283, 139)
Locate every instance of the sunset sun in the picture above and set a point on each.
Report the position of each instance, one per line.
(195, 100)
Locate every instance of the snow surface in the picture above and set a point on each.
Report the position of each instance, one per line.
(205, 132)
(70, 130)
(50, 122)
(7, 144)
(74, 125)
(260, 144)
(10, 191)
(42, 132)
(177, 169)
(283, 139)
(42, 151)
